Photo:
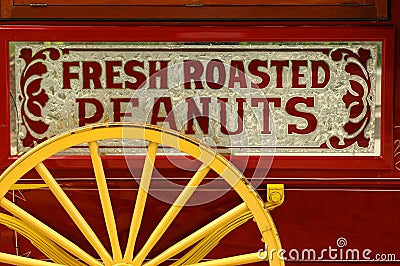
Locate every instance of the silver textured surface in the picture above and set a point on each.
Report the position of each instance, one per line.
(60, 112)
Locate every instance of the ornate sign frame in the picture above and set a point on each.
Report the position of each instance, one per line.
(224, 34)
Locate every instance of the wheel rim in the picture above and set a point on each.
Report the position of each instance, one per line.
(154, 136)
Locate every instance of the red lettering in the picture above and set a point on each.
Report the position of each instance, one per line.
(193, 70)
(117, 107)
(315, 65)
(161, 73)
(223, 116)
(236, 74)
(110, 74)
(279, 71)
(311, 119)
(276, 102)
(130, 70)
(91, 71)
(194, 113)
(253, 69)
(296, 75)
(213, 65)
(98, 113)
(170, 117)
(68, 75)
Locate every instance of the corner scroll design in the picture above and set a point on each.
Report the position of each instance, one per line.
(356, 99)
(33, 97)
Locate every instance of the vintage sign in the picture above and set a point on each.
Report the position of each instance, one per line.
(283, 98)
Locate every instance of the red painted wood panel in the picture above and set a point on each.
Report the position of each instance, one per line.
(204, 9)
(213, 2)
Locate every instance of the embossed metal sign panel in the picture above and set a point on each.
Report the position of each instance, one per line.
(282, 98)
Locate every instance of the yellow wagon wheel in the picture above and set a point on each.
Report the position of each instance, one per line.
(69, 253)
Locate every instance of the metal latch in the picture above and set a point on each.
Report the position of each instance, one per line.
(275, 195)
(38, 5)
(349, 4)
(194, 5)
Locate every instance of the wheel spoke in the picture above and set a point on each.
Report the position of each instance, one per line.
(172, 213)
(232, 261)
(105, 200)
(141, 200)
(198, 235)
(47, 231)
(50, 249)
(73, 212)
(208, 243)
(23, 261)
